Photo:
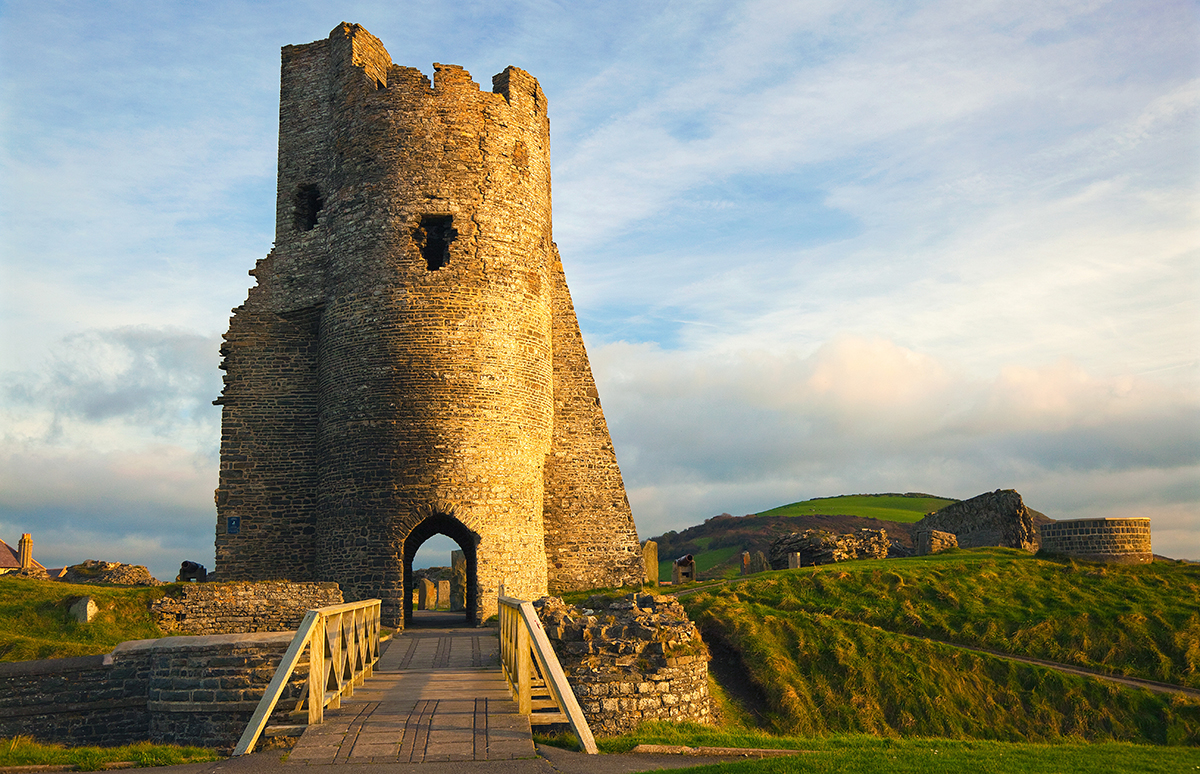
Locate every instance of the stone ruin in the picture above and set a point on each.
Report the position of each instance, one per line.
(1113, 540)
(755, 562)
(630, 659)
(409, 362)
(815, 546)
(116, 573)
(997, 518)
(932, 541)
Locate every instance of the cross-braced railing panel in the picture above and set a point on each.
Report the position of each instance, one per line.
(528, 658)
(342, 643)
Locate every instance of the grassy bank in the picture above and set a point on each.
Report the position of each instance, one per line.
(1136, 620)
(23, 751)
(831, 648)
(35, 622)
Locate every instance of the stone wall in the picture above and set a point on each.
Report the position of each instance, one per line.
(997, 518)
(177, 690)
(1117, 540)
(630, 659)
(409, 361)
(238, 608)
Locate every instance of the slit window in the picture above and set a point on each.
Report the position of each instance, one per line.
(434, 236)
(308, 206)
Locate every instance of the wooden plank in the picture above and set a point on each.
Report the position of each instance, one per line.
(275, 688)
(547, 718)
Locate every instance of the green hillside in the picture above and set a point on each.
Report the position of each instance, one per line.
(885, 507)
(840, 649)
(35, 623)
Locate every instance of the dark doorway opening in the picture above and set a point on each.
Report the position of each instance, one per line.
(443, 524)
(434, 236)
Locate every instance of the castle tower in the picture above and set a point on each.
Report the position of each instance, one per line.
(409, 363)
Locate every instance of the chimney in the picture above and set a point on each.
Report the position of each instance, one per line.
(25, 551)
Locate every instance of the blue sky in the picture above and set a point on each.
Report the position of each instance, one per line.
(816, 248)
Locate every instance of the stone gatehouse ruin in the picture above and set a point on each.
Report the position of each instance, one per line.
(409, 362)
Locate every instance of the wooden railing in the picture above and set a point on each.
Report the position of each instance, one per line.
(342, 644)
(523, 644)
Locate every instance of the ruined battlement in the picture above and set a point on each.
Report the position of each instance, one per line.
(409, 362)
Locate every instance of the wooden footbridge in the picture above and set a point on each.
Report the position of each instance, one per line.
(429, 694)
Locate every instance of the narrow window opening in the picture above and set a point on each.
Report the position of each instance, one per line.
(379, 85)
(308, 206)
(434, 236)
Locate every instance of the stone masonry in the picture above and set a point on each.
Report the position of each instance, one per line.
(1115, 540)
(177, 690)
(630, 659)
(409, 363)
(236, 608)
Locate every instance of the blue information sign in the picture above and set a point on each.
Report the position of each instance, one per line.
(233, 524)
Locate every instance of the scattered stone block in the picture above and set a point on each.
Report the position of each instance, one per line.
(458, 580)
(650, 560)
(443, 594)
(84, 609)
(816, 546)
(426, 594)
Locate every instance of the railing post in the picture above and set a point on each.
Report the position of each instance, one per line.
(316, 673)
(524, 672)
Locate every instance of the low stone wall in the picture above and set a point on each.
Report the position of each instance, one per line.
(241, 607)
(177, 690)
(1116, 540)
(630, 660)
(89, 700)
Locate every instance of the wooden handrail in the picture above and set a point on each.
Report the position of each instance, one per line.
(343, 645)
(522, 636)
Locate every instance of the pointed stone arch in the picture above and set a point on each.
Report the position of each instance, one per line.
(440, 519)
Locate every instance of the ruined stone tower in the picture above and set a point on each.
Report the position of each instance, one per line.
(409, 362)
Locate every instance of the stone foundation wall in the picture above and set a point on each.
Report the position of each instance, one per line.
(629, 660)
(178, 690)
(238, 608)
(1122, 541)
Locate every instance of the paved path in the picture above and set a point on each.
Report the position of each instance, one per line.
(436, 695)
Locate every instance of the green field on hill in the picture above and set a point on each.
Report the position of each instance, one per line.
(886, 507)
(842, 648)
(35, 622)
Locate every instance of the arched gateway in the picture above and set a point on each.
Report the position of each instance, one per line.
(410, 359)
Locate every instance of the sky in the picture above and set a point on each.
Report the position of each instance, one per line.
(816, 248)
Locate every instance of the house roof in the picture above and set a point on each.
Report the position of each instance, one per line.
(10, 560)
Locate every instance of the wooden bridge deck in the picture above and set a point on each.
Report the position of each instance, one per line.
(436, 695)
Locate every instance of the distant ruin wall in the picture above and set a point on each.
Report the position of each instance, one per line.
(178, 690)
(997, 518)
(1116, 540)
(240, 608)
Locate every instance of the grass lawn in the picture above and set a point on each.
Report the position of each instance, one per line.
(884, 507)
(919, 755)
(705, 560)
(34, 619)
(23, 751)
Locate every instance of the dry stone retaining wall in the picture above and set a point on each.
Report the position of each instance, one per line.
(177, 690)
(1116, 540)
(238, 608)
(630, 660)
